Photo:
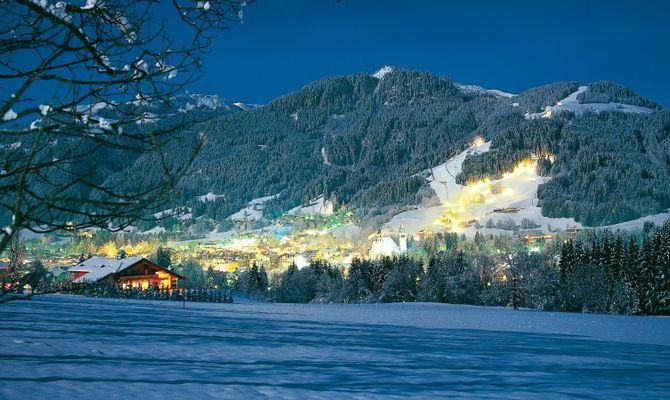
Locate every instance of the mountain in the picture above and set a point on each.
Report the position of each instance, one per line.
(365, 141)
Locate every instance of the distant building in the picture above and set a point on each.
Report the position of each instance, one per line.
(128, 272)
(385, 246)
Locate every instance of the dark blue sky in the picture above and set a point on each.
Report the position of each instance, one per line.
(508, 45)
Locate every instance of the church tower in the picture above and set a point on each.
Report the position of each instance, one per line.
(402, 239)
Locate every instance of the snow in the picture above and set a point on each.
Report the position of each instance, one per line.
(100, 267)
(518, 190)
(9, 115)
(201, 100)
(104, 123)
(316, 206)
(348, 231)
(383, 71)
(44, 109)
(657, 219)
(74, 347)
(147, 118)
(154, 231)
(324, 156)
(383, 247)
(89, 4)
(182, 213)
(474, 89)
(205, 198)
(571, 104)
(87, 110)
(253, 211)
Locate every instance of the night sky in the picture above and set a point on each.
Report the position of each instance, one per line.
(508, 45)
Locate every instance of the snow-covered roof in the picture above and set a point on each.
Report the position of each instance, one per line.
(101, 267)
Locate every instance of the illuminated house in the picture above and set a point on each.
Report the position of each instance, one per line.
(128, 272)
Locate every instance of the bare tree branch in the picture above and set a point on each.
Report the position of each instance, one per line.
(77, 82)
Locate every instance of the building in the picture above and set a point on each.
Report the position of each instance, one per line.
(402, 239)
(385, 246)
(4, 276)
(131, 272)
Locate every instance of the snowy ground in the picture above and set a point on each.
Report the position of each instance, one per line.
(62, 347)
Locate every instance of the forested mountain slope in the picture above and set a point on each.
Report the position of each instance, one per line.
(365, 140)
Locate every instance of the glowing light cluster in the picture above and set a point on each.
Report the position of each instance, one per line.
(470, 204)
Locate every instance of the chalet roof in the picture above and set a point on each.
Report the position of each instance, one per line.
(97, 268)
(101, 267)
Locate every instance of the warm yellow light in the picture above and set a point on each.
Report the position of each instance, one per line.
(478, 141)
(109, 249)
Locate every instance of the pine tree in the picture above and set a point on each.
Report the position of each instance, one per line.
(163, 257)
(646, 277)
(566, 266)
(631, 269)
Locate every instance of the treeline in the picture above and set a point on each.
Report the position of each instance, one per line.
(610, 274)
(599, 272)
(457, 277)
(610, 92)
(535, 99)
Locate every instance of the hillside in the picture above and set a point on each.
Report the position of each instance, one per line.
(365, 140)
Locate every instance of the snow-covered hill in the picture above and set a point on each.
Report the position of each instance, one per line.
(475, 89)
(572, 104)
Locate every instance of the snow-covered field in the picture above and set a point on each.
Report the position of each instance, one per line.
(63, 347)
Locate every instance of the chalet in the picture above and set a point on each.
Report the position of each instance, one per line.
(4, 275)
(131, 272)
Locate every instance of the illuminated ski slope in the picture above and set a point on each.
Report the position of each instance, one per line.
(463, 206)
